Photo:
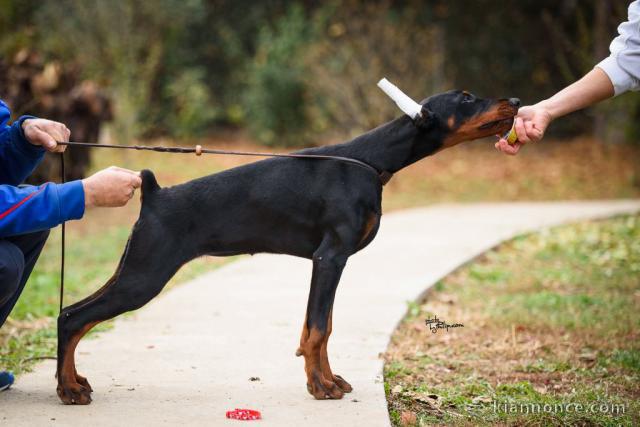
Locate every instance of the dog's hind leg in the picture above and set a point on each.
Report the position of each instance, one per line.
(150, 260)
(328, 262)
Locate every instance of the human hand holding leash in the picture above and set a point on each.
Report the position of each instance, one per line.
(45, 133)
(111, 187)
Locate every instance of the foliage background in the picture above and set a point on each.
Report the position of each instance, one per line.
(295, 72)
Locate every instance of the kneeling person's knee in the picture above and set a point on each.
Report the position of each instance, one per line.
(11, 270)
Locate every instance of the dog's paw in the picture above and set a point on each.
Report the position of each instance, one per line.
(83, 382)
(340, 382)
(322, 389)
(74, 394)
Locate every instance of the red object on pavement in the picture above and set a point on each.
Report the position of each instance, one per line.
(244, 414)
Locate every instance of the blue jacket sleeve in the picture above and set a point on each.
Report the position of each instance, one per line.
(18, 158)
(27, 209)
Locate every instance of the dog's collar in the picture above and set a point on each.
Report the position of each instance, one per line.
(385, 176)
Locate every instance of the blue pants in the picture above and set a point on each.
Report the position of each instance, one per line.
(18, 255)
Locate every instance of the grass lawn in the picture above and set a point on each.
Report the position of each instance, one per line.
(471, 172)
(549, 318)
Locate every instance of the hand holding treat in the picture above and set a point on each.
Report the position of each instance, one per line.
(511, 136)
(529, 125)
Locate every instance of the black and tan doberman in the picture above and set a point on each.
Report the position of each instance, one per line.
(321, 210)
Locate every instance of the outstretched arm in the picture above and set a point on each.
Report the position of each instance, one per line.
(618, 73)
(28, 208)
(532, 121)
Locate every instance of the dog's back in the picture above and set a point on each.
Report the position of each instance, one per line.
(274, 205)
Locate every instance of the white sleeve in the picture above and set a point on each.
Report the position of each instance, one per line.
(623, 65)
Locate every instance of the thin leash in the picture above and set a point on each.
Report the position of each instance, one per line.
(198, 150)
(383, 176)
(63, 230)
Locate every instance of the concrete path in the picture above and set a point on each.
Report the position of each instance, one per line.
(187, 357)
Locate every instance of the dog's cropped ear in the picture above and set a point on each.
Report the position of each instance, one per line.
(426, 119)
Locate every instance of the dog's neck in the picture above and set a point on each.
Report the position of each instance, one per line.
(394, 145)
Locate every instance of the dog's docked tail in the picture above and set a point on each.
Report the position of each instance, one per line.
(149, 184)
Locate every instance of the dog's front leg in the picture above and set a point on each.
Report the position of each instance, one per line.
(324, 360)
(328, 264)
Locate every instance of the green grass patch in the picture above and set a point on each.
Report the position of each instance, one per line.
(629, 359)
(550, 336)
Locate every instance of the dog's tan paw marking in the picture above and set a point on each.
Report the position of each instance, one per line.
(74, 394)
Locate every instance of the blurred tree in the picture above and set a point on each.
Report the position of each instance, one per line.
(125, 43)
(191, 101)
(358, 43)
(16, 25)
(275, 94)
(224, 43)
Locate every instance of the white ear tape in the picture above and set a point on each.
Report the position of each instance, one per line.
(406, 104)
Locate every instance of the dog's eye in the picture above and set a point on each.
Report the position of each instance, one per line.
(467, 97)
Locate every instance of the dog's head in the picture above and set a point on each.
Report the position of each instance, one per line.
(463, 116)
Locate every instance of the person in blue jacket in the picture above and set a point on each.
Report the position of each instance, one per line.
(28, 212)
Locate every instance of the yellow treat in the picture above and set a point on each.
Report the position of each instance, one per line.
(511, 136)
